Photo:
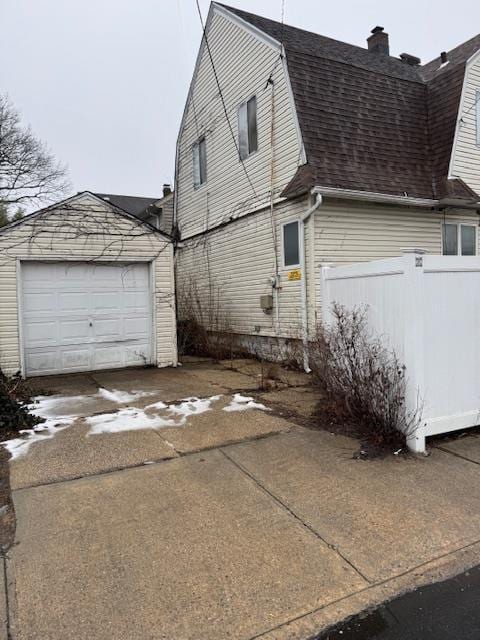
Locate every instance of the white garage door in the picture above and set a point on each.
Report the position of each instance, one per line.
(84, 316)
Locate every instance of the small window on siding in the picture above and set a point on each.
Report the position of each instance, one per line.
(450, 245)
(199, 162)
(468, 236)
(459, 240)
(291, 248)
(247, 128)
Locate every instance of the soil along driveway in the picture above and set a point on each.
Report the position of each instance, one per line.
(181, 504)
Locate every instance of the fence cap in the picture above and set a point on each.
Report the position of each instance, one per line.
(417, 250)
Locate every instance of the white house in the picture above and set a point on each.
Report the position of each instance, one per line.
(85, 285)
(297, 150)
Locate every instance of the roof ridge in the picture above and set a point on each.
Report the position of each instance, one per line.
(121, 195)
(453, 50)
(414, 72)
(291, 26)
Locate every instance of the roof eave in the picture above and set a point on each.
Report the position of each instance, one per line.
(371, 196)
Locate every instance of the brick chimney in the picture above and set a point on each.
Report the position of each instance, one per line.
(378, 41)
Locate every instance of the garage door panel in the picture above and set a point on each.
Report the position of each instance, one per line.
(133, 277)
(108, 329)
(137, 301)
(40, 333)
(136, 328)
(75, 359)
(107, 275)
(108, 357)
(39, 301)
(70, 301)
(107, 302)
(42, 361)
(82, 316)
(37, 277)
(137, 355)
(75, 330)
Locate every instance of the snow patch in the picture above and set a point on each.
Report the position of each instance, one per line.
(132, 419)
(244, 403)
(18, 447)
(45, 407)
(53, 406)
(192, 407)
(127, 419)
(157, 405)
(123, 397)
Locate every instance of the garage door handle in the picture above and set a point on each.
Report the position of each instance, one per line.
(91, 323)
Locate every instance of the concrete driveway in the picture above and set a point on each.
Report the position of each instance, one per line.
(189, 503)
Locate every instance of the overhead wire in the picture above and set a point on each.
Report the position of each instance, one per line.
(222, 99)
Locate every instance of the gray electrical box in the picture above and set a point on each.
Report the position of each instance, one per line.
(266, 302)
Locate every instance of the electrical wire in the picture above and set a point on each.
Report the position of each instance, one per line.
(222, 98)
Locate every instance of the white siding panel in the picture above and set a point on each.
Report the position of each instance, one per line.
(243, 64)
(466, 153)
(238, 261)
(351, 233)
(85, 230)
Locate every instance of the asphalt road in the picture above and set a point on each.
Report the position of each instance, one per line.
(444, 611)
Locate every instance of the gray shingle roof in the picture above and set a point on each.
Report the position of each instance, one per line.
(369, 121)
(131, 204)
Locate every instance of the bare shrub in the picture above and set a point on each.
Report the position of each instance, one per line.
(363, 382)
(14, 414)
(203, 324)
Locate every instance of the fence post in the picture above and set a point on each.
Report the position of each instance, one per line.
(414, 352)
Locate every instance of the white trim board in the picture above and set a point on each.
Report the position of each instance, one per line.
(468, 64)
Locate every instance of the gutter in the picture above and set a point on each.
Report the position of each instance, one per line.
(371, 196)
(385, 198)
(318, 200)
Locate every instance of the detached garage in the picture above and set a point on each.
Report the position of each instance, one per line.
(85, 285)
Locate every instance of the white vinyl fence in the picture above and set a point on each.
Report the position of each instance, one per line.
(427, 309)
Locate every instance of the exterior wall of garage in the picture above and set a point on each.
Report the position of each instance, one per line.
(84, 228)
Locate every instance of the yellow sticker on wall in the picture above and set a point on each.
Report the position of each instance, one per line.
(295, 274)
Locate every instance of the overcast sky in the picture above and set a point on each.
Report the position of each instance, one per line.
(104, 82)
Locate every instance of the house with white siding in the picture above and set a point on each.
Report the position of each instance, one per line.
(297, 150)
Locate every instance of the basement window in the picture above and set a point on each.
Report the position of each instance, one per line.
(291, 245)
(199, 162)
(459, 239)
(247, 128)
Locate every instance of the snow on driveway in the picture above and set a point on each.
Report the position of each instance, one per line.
(54, 410)
(131, 418)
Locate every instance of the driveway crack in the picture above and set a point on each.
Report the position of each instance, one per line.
(458, 455)
(284, 506)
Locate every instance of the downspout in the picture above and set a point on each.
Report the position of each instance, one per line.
(303, 219)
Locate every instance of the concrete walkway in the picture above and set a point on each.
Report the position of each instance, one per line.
(234, 524)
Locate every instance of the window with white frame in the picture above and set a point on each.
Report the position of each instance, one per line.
(459, 239)
(199, 162)
(247, 128)
(291, 244)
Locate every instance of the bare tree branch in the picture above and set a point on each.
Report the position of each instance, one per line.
(29, 174)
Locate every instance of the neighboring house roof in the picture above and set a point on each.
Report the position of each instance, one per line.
(132, 204)
(369, 121)
(147, 209)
